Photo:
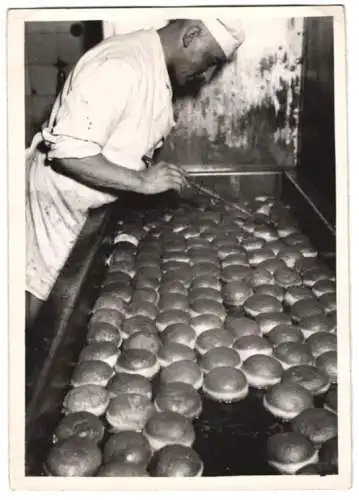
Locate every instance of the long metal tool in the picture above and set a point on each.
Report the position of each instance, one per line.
(208, 192)
(213, 195)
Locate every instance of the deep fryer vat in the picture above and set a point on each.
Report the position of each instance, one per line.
(229, 438)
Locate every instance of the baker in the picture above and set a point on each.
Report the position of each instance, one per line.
(115, 109)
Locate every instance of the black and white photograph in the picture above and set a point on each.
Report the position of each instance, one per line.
(185, 287)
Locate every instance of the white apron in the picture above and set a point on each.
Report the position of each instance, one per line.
(117, 102)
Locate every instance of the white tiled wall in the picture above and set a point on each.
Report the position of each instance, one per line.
(48, 27)
(69, 49)
(40, 48)
(45, 43)
(43, 79)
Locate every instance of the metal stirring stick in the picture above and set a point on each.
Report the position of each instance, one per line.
(208, 192)
(213, 195)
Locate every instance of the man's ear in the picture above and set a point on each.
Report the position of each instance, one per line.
(192, 32)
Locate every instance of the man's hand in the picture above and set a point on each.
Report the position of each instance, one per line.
(162, 177)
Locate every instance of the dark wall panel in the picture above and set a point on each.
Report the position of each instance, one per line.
(317, 124)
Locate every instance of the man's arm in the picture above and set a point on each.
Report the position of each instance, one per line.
(99, 173)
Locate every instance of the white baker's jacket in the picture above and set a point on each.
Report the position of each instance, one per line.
(117, 101)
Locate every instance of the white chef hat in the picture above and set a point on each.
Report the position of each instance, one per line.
(228, 33)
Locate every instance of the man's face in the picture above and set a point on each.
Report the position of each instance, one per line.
(196, 61)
